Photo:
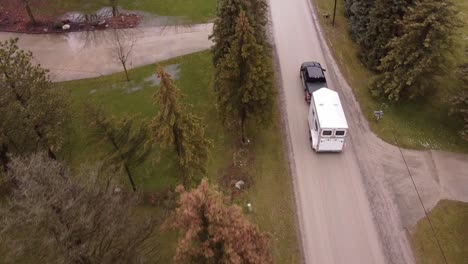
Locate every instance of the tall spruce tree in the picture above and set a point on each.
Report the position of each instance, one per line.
(459, 100)
(459, 103)
(225, 24)
(33, 111)
(174, 125)
(462, 70)
(420, 53)
(381, 28)
(358, 14)
(245, 76)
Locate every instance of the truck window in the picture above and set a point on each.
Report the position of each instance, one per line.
(326, 133)
(340, 133)
(315, 127)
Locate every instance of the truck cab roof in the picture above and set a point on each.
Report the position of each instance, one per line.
(314, 72)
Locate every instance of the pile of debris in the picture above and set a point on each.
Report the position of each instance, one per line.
(15, 19)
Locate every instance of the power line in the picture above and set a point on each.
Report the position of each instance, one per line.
(420, 199)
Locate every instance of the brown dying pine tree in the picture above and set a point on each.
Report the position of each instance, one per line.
(214, 232)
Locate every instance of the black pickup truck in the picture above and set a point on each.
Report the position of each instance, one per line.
(313, 78)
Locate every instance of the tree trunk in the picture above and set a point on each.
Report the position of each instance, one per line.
(177, 143)
(127, 170)
(114, 9)
(130, 177)
(4, 157)
(113, 4)
(50, 153)
(179, 150)
(243, 120)
(28, 10)
(125, 69)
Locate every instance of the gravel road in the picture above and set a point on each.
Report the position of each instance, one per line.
(336, 219)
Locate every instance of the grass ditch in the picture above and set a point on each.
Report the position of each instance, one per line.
(268, 183)
(420, 124)
(450, 221)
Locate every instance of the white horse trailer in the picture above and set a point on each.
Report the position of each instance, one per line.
(327, 122)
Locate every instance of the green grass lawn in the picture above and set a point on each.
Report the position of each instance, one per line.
(271, 194)
(422, 124)
(269, 190)
(450, 221)
(192, 10)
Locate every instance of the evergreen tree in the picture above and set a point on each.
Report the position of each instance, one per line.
(382, 27)
(459, 100)
(174, 125)
(213, 232)
(358, 14)
(245, 76)
(459, 104)
(225, 24)
(462, 70)
(33, 111)
(420, 53)
(126, 138)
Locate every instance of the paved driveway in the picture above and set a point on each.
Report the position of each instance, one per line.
(78, 55)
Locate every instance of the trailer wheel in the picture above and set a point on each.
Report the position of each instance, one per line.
(310, 140)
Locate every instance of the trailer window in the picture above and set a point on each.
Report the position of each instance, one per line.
(340, 133)
(326, 133)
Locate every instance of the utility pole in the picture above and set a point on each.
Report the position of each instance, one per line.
(334, 12)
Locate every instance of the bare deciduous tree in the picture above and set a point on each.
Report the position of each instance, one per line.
(114, 4)
(123, 46)
(27, 5)
(53, 216)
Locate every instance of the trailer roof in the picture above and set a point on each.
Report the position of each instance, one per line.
(329, 110)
